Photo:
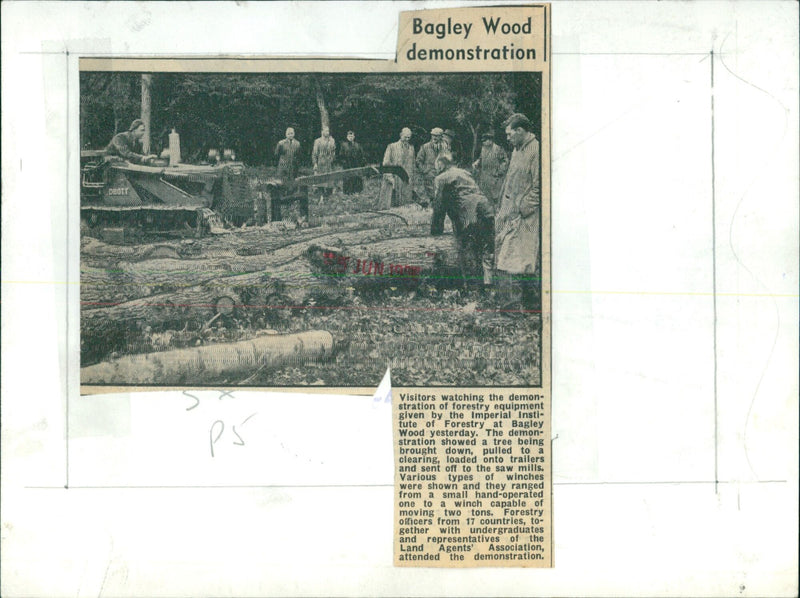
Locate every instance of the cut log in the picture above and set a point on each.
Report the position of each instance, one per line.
(111, 326)
(148, 278)
(296, 270)
(426, 253)
(420, 258)
(249, 241)
(298, 280)
(403, 216)
(96, 252)
(210, 363)
(151, 277)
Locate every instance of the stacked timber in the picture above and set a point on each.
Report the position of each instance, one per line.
(177, 288)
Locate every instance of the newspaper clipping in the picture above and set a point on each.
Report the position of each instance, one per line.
(310, 224)
(472, 479)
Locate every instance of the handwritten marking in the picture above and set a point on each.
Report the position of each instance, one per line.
(213, 440)
(188, 394)
(216, 431)
(237, 436)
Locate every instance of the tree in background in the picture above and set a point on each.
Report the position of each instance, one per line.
(250, 112)
(109, 102)
(484, 108)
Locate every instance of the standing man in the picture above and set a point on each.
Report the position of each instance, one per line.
(128, 144)
(491, 168)
(322, 155)
(517, 225)
(451, 145)
(287, 152)
(457, 196)
(394, 191)
(426, 160)
(351, 155)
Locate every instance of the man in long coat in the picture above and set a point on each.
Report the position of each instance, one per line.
(491, 168)
(518, 220)
(287, 151)
(426, 160)
(394, 191)
(351, 155)
(322, 156)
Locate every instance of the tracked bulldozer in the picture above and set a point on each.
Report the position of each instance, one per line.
(195, 199)
(159, 197)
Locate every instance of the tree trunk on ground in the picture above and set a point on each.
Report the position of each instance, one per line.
(199, 302)
(418, 258)
(316, 268)
(133, 280)
(97, 253)
(393, 218)
(227, 361)
(308, 276)
(251, 241)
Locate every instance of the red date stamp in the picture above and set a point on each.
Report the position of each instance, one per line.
(343, 264)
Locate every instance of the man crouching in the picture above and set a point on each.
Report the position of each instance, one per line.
(457, 195)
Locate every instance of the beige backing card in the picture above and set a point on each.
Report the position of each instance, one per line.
(674, 232)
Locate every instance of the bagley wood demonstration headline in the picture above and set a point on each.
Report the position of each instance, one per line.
(493, 26)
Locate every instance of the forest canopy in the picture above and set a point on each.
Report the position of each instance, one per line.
(249, 113)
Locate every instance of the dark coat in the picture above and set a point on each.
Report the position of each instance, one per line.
(287, 153)
(127, 147)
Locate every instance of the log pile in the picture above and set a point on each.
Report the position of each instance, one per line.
(252, 276)
(294, 272)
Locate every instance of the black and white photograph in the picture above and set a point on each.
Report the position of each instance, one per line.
(400, 298)
(310, 229)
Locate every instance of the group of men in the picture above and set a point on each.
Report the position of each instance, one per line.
(496, 220)
(324, 153)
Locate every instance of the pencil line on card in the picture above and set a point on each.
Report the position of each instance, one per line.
(714, 277)
(67, 293)
(670, 483)
(313, 486)
(206, 487)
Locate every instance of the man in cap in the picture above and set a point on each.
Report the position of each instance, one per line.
(457, 196)
(491, 168)
(426, 160)
(518, 220)
(128, 144)
(394, 191)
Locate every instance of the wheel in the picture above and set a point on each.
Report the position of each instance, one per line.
(226, 305)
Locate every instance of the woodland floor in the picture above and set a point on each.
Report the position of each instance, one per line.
(428, 330)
